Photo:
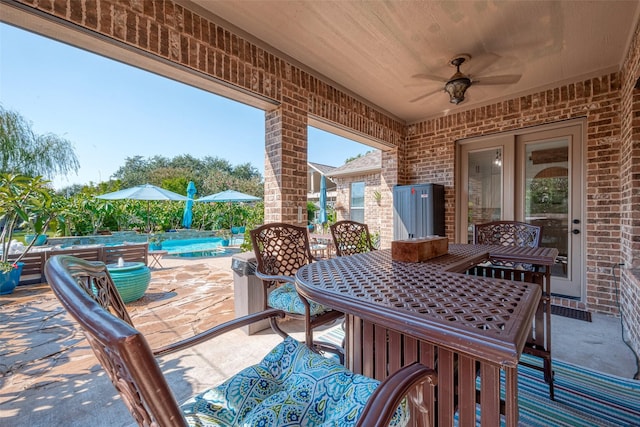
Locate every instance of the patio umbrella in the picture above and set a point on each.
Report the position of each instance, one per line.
(230, 196)
(146, 192)
(322, 218)
(187, 216)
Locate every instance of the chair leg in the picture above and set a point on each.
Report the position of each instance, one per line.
(308, 333)
(326, 347)
(548, 377)
(276, 328)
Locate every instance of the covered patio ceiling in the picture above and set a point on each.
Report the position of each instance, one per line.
(376, 49)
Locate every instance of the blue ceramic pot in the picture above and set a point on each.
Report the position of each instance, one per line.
(40, 240)
(9, 280)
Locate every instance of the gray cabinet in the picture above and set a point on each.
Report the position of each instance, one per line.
(418, 211)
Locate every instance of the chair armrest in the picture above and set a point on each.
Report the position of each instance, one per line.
(218, 330)
(276, 278)
(384, 401)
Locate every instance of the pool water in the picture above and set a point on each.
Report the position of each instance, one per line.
(199, 247)
(194, 247)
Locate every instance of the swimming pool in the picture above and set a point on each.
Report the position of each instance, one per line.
(210, 246)
(187, 247)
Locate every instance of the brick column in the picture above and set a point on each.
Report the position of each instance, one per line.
(388, 179)
(285, 171)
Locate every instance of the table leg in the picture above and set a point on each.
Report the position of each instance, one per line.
(156, 256)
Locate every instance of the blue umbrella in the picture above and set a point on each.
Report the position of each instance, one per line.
(323, 200)
(187, 216)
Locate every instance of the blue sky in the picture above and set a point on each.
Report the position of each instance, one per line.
(111, 111)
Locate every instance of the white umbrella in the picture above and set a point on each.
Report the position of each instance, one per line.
(146, 192)
(229, 196)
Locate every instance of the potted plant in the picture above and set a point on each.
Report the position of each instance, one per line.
(27, 201)
(226, 237)
(155, 242)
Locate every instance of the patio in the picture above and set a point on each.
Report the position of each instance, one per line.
(578, 81)
(50, 376)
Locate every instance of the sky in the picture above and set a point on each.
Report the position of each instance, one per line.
(110, 111)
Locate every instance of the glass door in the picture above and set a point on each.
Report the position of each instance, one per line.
(534, 177)
(486, 177)
(551, 196)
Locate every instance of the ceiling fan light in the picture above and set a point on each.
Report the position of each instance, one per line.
(456, 88)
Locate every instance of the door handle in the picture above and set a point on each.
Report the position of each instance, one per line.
(574, 231)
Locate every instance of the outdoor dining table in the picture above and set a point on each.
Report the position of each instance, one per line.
(324, 239)
(468, 328)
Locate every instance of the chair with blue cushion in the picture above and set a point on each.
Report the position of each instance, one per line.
(351, 237)
(292, 385)
(280, 250)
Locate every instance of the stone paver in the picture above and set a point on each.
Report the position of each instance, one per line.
(49, 375)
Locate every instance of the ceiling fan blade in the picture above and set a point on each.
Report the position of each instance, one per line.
(426, 95)
(430, 77)
(481, 62)
(505, 79)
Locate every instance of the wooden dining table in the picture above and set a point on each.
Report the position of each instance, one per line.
(470, 329)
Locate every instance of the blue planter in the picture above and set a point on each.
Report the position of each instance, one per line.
(9, 280)
(132, 279)
(155, 246)
(40, 240)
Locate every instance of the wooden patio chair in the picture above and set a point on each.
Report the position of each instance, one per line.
(351, 237)
(292, 383)
(280, 250)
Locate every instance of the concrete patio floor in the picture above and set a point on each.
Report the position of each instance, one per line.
(50, 377)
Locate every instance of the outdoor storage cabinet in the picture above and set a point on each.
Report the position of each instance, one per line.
(418, 211)
(247, 290)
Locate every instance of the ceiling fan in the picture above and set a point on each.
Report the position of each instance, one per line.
(457, 85)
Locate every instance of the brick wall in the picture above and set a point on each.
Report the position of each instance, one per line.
(388, 179)
(372, 207)
(630, 197)
(429, 156)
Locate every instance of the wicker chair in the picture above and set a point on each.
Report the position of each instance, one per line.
(280, 250)
(290, 382)
(351, 237)
(508, 233)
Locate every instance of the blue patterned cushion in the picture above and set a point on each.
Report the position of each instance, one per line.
(292, 386)
(286, 298)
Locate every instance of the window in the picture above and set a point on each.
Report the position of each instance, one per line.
(357, 202)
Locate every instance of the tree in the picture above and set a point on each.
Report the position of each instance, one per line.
(209, 174)
(23, 200)
(22, 151)
(357, 156)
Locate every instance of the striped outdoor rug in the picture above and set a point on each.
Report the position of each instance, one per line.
(584, 397)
